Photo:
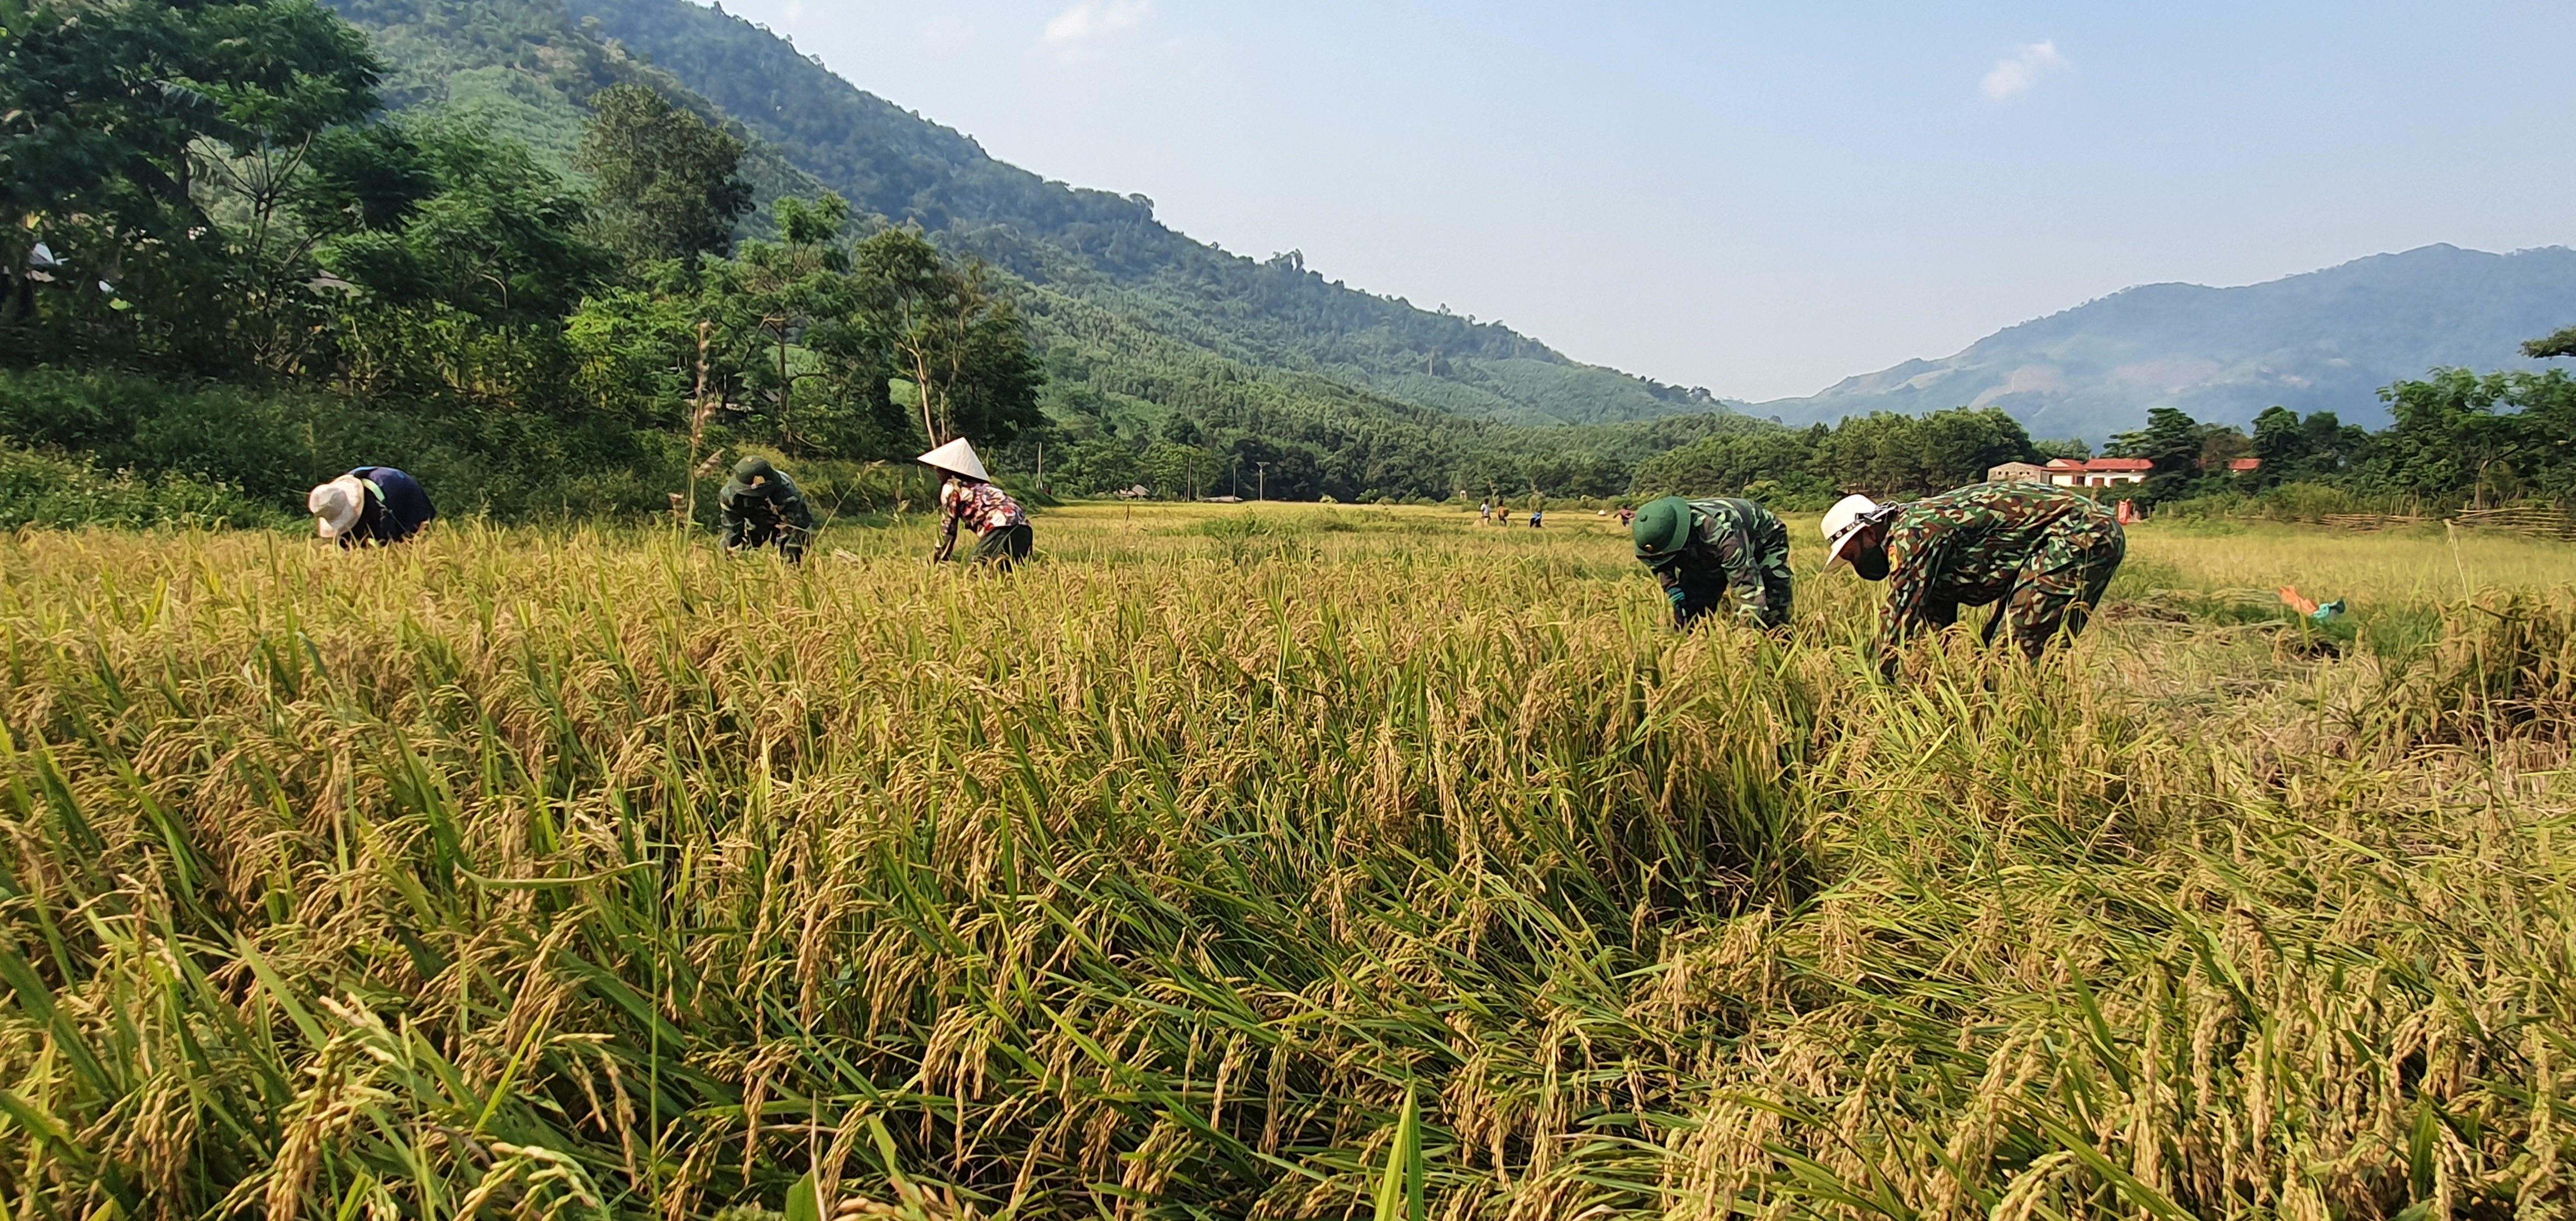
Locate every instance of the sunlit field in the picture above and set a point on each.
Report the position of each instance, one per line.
(593, 873)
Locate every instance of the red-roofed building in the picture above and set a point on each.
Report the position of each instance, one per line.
(2244, 466)
(2098, 473)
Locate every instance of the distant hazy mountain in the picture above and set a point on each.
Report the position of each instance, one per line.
(2327, 340)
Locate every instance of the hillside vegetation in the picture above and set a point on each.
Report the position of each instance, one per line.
(1108, 248)
(542, 306)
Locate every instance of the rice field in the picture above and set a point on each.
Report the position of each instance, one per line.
(1272, 862)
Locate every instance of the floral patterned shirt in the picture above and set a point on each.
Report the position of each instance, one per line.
(980, 506)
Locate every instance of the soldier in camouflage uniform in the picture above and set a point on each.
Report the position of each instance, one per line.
(761, 506)
(1713, 553)
(2044, 553)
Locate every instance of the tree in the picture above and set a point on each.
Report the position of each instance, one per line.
(127, 130)
(2047, 448)
(468, 288)
(668, 186)
(797, 298)
(2171, 442)
(2561, 342)
(2448, 436)
(963, 350)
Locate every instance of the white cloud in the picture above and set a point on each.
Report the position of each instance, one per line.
(2017, 72)
(1092, 18)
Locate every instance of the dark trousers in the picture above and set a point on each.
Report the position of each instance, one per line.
(1003, 546)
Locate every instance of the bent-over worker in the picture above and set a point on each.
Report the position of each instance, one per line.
(2043, 554)
(761, 506)
(371, 505)
(969, 498)
(1713, 553)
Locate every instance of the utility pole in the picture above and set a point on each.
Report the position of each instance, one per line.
(1261, 481)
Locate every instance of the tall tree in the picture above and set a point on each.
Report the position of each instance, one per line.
(964, 350)
(668, 183)
(2449, 437)
(2561, 342)
(793, 298)
(153, 137)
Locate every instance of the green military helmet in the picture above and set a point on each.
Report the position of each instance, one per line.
(1662, 529)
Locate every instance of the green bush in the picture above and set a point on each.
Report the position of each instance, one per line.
(38, 490)
(270, 446)
(2283, 502)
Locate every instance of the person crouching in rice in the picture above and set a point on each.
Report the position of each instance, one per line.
(968, 497)
(2041, 556)
(371, 506)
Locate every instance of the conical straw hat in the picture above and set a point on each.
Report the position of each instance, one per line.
(957, 457)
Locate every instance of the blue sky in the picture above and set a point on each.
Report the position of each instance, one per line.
(1761, 199)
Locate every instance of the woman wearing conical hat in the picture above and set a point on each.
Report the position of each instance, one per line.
(969, 498)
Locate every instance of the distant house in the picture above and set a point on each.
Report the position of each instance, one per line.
(2244, 466)
(2098, 473)
(2017, 472)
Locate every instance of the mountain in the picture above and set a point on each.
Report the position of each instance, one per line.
(2323, 341)
(528, 66)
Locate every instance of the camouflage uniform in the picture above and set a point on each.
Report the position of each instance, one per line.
(2044, 552)
(1738, 554)
(773, 511)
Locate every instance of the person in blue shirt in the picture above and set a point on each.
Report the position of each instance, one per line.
(372, 505)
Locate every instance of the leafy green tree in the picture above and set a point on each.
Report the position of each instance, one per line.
(2561, 342)
(2318, 448)
(636, 347)
(963, 348)
(148, 144)
(795, 301)
(2172, 442)
(501, 239)
(668, 182)
(2047, 448)
(467, 291)
(2457, 432)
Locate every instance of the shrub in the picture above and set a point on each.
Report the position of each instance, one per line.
(42, 491)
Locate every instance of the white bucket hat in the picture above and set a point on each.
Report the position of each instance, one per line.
(956, 457)
(335, 505)
(1843, 523)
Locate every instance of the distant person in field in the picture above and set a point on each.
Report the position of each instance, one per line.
(763, 506)
(1536, 517)
(2042, 554)
(370, 506)
(1485, 513)
(1716, 554)
(968, 498)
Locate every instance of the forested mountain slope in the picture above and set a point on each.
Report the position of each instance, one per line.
(2323, 341)
(1108, 249)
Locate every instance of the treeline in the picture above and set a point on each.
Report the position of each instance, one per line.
(1883, 453)
(2457, 438)
(213, 192)
(1129, 406)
